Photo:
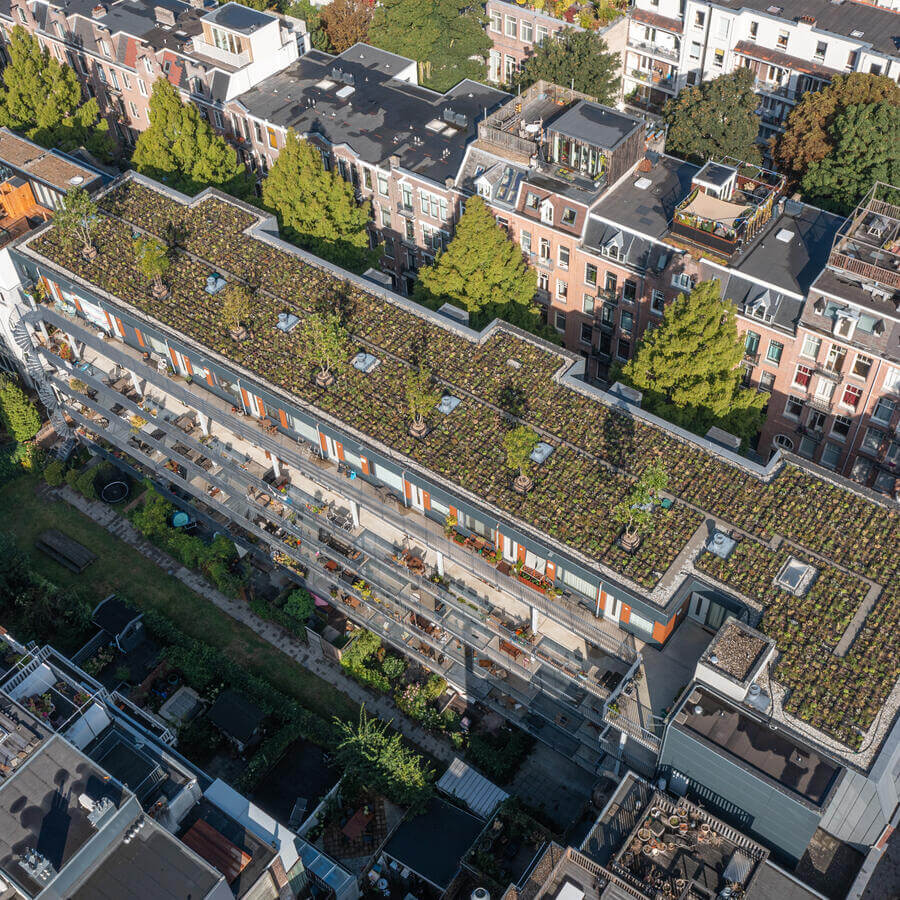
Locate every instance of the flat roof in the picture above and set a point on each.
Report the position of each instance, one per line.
(237, 17)
(152, 864)
(433, 843)
(23, 734)
(594, 441)
(594, 124)
(40, 808)
(49, 166)
(794, 765)
(382, 116)
(649, 208)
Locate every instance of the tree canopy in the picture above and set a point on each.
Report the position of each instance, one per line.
(714, 119)
(481, 271)
(18, 415)
(579, 57)
(312, 15)
(76, 219)
(181, 149)
(447, 38)
(42, 99)
(866, 149)
(687, 367)
(317, 209)
(809, 135)
(346, 22)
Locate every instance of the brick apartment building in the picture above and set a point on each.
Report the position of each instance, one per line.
(118, 49)
(516, 29)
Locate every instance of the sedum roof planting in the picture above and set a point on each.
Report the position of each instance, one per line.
(852, 540)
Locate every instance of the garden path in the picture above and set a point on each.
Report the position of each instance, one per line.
(381, 706)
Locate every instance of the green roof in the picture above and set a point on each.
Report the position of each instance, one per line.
(597, 447)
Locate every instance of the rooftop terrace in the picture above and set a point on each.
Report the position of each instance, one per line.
(597, 447)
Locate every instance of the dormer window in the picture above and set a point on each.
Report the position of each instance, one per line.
(683, 281)
(547, 212)
(532, 201)
(844, 324)
(104, 48)
(568, 216)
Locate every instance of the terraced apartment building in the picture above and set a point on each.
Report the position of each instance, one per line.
(526, 604)
(791, 48)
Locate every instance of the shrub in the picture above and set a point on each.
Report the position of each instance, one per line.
(55, 473)
(85, 483)
(72, 479)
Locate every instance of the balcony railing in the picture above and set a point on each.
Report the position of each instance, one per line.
(775, 89)
(562, 609)
(656, 49)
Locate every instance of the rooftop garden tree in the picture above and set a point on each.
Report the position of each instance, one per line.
(421, 398)
(325, 345)
(809, 136)
(635, 512)
(236, 310)
(374, 758)
(181, 149)
(715, 118)
(579, 58)
(317, 209)
(688, 367)
(480, 265)
(866, 149)
(42, 99)
(18, 415)
(519, 444)
(153, 261)
(447, 38)
(76, 221)
(347, 22)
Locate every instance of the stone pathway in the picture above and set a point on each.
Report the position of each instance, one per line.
(376, 704)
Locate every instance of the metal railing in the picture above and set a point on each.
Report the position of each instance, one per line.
(670, 53)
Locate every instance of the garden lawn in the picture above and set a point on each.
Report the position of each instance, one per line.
(121, 569)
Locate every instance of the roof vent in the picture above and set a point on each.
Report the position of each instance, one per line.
(785, 235)
(38, 867)
(214, 283)
(541, 451)
(101, 808)
(856, 33)
(286, 321)
(365, 362)
(76, 180)
(643, 183)
(720, 544)
(514, 364)
(774, 10)
(448, 404)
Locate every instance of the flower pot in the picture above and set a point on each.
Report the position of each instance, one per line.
(89, 252)
(522, 484)
(324, 379)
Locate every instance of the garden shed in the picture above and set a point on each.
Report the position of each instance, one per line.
(237, 717)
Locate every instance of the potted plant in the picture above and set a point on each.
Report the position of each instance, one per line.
(324, 345)
(635, 512)
(76, 220)
(236, 311)
(421, 398)
(153, 261)
(519, 444)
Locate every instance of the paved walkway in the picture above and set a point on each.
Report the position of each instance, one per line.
(379, 705)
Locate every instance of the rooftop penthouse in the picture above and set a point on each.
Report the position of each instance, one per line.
(597, 444)
(729, 203)
(571, 144)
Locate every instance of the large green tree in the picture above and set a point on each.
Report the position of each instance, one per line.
(42, 98)
(579, 57)
(809, 135)
(481, 271)
(714, 119)
(317, 209)
(312, 15)
(181, 149)
(446, 37)
(866, 149)
(687, 367)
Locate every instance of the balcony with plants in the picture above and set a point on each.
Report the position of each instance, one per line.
(590, 15)
(506, 381)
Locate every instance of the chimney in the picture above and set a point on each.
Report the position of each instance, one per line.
(99, 11)
(395, 161)
(808, 21)
(164, 16)
(448, 183)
